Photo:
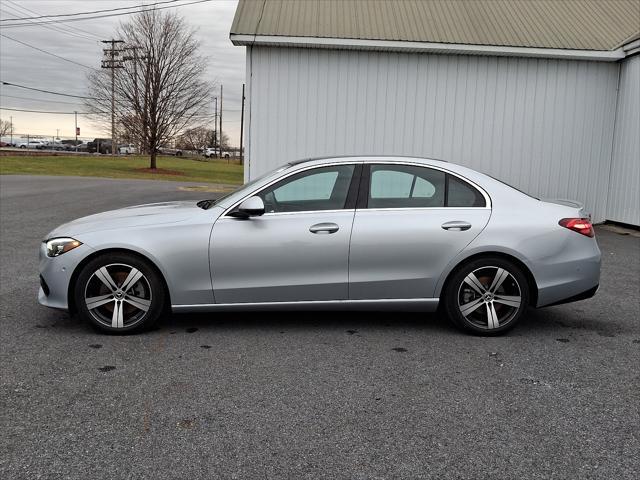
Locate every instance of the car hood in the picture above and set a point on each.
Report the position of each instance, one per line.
(149, 214)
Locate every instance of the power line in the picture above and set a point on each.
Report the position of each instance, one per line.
(67, 20)
(72, 31)
(42, 111)
(45, 51)
(45, 91)
(91, 12)
(38, 99)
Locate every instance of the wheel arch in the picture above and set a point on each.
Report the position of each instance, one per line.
(531, 281)
(97, 253)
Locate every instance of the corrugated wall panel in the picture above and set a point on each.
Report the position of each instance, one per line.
(544, 126)
(624, 181)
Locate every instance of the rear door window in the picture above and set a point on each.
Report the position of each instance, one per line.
(405, 186)
(410, 186)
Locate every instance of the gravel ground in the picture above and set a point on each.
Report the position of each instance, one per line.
(307, 395)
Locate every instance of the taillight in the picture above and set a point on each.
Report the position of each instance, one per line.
(580, 225)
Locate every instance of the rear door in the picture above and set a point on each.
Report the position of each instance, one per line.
(410, 221)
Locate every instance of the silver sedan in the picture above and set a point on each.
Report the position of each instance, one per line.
(336, 233)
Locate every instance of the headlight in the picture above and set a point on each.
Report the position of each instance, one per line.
(58, 246)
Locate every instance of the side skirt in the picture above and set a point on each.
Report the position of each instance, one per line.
(391, 304)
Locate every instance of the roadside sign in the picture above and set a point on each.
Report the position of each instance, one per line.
(77, 130)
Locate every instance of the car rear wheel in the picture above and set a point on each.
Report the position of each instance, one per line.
(119, 293)
(487, 296)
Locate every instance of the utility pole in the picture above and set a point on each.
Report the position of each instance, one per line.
(215, 124)
(76, 142)
(112, 63)
(220, 143)
(57, 134)
(137, 104)
(242, 126)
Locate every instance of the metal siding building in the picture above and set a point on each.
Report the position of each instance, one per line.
(624, 183)
(549, 121)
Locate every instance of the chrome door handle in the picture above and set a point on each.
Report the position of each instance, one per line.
(324, 228)
(456, 226)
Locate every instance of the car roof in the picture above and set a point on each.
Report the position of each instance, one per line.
(366, 159)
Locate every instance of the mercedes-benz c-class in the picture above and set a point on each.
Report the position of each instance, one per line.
(344, 233)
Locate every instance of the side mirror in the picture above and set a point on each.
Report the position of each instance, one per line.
(251, 207)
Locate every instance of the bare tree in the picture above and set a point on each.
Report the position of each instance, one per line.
(224, 140)
(5, 128)
(160, 90)
(195, 138)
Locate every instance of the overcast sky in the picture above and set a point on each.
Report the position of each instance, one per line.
(80, 42)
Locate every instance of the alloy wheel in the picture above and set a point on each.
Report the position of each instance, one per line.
(118, 295)
(489, 297)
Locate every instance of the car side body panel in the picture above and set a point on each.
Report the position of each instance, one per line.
(401, 253)
(182, 259)
(275, 257)
(562, 262)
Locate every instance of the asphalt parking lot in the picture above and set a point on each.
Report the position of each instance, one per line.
(302, 395)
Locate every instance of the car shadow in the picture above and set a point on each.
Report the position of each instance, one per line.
(563, 319)
(308, 320)
(536, 322)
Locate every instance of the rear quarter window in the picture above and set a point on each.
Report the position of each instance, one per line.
(461, 194)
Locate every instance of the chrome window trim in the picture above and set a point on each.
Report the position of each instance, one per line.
(300, 170)
(419, 208)
(487, 198)
(275, 214)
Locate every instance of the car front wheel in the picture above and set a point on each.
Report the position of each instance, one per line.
(119, 292)
(487, 296)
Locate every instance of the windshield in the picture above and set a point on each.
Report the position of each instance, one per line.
(207, 204)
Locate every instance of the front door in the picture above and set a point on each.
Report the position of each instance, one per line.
(298, 250)
(410, 222)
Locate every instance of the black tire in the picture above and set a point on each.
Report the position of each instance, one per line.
(148, 292)
(487, 313)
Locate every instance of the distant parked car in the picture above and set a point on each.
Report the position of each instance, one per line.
(127, 149)
(5, 144)
(70, 145)
(58, 146)
(213, 152)
(29, 143)
(169, 151)
(99, 145)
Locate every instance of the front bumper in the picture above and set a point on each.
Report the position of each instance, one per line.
(56, 273)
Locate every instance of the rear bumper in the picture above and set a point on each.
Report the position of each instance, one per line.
(576, 298)
(570, 281)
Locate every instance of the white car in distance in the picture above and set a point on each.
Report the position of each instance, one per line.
(30, 144)
(127, 149)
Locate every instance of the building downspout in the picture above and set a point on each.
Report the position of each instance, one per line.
(613, 140)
